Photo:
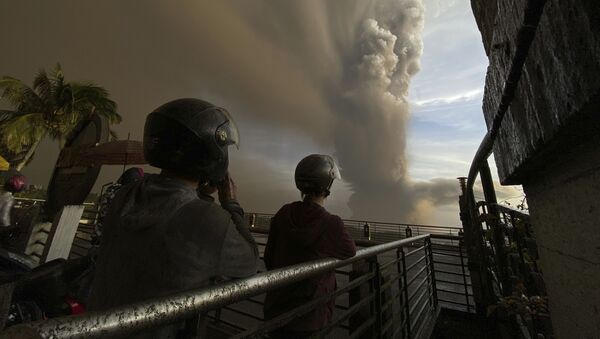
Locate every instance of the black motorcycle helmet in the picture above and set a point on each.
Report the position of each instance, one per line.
(190, 137)
(315, 174)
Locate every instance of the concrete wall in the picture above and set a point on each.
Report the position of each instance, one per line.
(550, 143)
(556, 102)
(566, 219)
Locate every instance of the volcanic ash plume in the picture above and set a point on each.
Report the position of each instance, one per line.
(360, 55)
(338, 72)
(373, 113)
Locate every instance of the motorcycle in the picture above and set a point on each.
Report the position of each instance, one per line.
(52, 289)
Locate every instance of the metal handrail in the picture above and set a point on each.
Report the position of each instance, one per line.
(160, 311)
(510, 210)
(452, 284)
(460, 288)
(261, 214)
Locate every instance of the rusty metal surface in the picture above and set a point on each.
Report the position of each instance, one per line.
(118, 152)
(160, 311)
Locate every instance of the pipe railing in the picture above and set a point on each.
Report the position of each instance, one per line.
(452, 284)
(453, 281)
(187, 305)
(370, 230)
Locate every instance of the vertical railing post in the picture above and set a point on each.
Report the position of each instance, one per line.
(496, 227)
(374, 267)
(517, 239)
(359, 269)
(483, 294)
(372, 237)
(405, 291)
(431, 269)
(464, 274)
(401, 296)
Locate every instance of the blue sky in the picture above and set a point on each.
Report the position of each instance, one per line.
(447, 124)
(447, 121)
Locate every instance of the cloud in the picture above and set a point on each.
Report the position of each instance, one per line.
(301, 77)
(475, 94)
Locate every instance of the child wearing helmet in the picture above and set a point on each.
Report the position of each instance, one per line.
(303, 231)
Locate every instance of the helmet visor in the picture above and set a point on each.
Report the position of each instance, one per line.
(335, 170)
(227, 133)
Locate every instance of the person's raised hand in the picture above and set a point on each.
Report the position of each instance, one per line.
(227, 189)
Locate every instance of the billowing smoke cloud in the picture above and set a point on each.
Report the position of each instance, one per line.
(337, 72)
(361, 56)
(371, 138)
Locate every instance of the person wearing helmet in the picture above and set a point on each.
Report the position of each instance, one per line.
(14, 184)
(303, 231)
(159, 236)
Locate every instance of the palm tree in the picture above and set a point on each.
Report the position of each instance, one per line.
(51, 108)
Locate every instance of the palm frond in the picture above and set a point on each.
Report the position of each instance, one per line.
(22, 131)
(19, 95)
(61, 88)
(57, 74)
(113, 135)
(6, 115)
(45, 89)
(12, 90)
(52, 107)
(91, 98)
(32, 102)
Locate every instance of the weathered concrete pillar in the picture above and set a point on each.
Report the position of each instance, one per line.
(565, 214)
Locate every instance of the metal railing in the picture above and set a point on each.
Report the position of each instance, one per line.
(82, 242)
(370, 230)
(453, 281)
(453, 284)
(27, 202)
(390, 291)
(83, 236)
(525, 281)
(377, 232)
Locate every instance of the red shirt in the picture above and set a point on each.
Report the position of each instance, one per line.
(300, 232)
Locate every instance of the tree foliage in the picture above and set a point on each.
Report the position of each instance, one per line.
(51, 107)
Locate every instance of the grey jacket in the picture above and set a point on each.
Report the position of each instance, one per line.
(6, 203)
(159, 238)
